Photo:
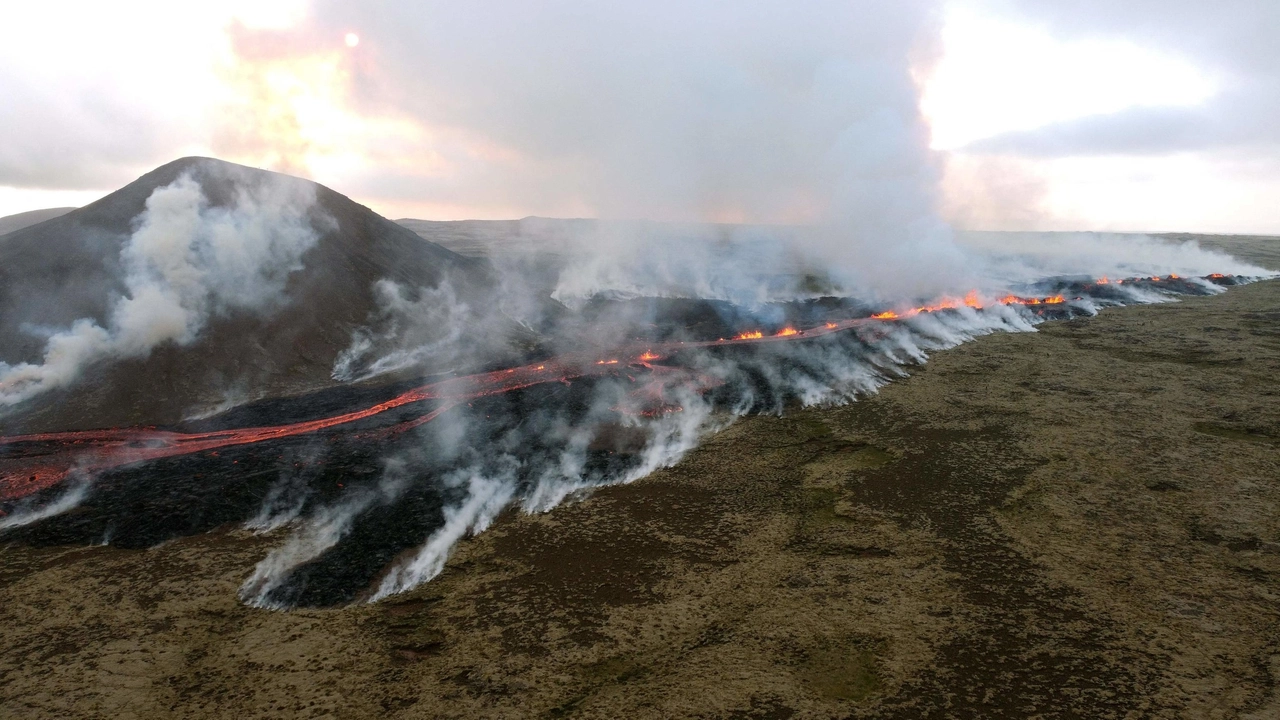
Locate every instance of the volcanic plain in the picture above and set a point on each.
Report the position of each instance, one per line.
(1078, 522)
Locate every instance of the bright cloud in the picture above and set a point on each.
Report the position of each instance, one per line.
(1087, 113)
(997, 76)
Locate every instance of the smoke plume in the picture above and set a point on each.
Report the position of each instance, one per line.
(185, 262)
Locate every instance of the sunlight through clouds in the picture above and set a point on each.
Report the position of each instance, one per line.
(998, 76)
(680, 111)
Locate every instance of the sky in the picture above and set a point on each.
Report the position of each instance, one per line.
(1131, 115)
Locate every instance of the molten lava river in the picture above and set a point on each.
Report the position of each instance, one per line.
(586, 418)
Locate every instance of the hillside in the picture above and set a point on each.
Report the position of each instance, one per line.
(73, 268)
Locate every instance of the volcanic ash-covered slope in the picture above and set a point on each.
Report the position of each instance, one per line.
(200, 284)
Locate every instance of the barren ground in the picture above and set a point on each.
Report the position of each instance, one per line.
(1079, 522)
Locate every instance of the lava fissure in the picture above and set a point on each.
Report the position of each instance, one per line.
(39, 461)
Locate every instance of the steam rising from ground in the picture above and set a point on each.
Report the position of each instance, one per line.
(542, 456)
(537, 455)
(412, 327)
(752, 266)
(186, 262)
(32, 512)
(323, 529)
(1018, 258)
(387, 523)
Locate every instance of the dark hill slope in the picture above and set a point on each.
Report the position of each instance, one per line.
(13, 223)
(67, 268)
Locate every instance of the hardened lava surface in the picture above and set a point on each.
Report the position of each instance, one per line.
(1079, 522)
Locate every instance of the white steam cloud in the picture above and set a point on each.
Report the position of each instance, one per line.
(1008, 259)
(323, 529)
(750, 266)
(751, 112)
(33, 511)
(185, 262)
(486, 497)
(408, 331)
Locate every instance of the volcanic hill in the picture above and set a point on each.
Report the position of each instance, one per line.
(70, 267)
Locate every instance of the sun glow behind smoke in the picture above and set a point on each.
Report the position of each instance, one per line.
(293, 109)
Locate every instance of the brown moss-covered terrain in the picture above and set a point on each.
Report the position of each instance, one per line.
(1080, 522)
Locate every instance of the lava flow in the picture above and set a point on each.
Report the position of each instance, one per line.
(95, 450)
(91, 451)
(40, 461)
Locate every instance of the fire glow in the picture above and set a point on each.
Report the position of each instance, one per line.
(1014, 300)
(37, 466)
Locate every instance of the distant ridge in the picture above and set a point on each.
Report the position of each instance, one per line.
(13, 223)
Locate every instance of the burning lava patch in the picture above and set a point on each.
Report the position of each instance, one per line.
(376, 483)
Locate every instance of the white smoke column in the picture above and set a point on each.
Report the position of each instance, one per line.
(185, 262)
(322, 530)
(682, 112)
(486, 497)
(27, 514)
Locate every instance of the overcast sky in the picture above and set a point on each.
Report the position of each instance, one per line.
(1082, 114)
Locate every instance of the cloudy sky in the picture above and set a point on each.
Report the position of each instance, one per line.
(1007, 114)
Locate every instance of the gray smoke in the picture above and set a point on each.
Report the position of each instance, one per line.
(493, 476)
(1012, 259)
(753, 112)
(185, 262)
(411, 329)
(323, 529)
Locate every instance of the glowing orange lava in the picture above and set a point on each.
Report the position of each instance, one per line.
(1015, 300)
(56, 455)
